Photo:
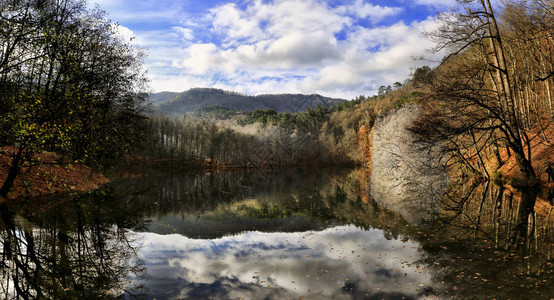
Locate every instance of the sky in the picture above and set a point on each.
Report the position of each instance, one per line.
(336, 48)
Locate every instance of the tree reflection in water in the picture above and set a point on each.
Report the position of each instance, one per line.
(484, 242)
(493, 242)
(81, 249)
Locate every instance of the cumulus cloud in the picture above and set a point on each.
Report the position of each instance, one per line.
(324, 45)
(186, 34)
(440, 4)
(125, 33)
(374, 12)
(234, 24)
(200, 58)
(342, 49)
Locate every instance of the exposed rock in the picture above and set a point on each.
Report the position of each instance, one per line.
(407, 175)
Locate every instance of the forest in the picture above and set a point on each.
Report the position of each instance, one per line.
(488, 102)
(69, 85)
(334, 135)
(440, 185)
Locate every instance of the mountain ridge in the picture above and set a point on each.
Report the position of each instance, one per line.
(192, 100)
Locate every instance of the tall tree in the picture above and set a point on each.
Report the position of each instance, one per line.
(75, 86)
(476, 85)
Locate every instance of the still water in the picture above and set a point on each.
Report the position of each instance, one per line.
(292, 234)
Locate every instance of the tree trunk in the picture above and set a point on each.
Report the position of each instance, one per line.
(549, 100)
(497, 59)
(12, 173)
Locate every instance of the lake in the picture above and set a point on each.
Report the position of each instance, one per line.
(289, 234)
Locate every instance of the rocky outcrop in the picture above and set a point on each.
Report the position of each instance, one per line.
(407, 174)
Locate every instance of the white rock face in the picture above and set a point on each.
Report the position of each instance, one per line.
(407, 175)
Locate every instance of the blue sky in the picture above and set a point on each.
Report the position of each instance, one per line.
(339, 48)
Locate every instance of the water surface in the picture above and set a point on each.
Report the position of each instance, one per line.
(293, 234)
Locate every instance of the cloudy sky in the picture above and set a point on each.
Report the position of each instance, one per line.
(340, 48)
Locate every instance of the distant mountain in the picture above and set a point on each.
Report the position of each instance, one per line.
(172, 104)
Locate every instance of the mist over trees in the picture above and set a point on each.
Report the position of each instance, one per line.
(69, 84)
(334, 135)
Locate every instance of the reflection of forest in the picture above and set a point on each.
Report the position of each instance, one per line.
(489, 241)
(201, 205)
(321, 197)
(505, 218)
(483, 242)
(78, 250)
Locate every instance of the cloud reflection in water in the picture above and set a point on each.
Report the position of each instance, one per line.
(338, 263)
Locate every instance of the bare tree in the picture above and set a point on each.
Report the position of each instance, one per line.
(476, 87)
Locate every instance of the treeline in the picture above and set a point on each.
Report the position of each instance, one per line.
(195, 139)
(336, 135)
(311, 117)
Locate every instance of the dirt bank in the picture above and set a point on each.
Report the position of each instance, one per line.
(49, 178)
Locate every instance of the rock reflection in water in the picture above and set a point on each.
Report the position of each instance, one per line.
(407, 174)
(275, 235)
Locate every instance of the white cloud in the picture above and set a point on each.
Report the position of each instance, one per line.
(389, 59)
(186, 34)
(178, 82)
(233, 24)
(273, 46)
(301, 37)
(285, 17)
(439, 4)
(126, 34)
(200, 58)
(374, 12)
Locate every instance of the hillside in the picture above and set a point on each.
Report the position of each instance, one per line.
(49, 179)
(171, 103)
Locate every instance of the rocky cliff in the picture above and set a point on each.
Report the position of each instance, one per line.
(407, 175)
